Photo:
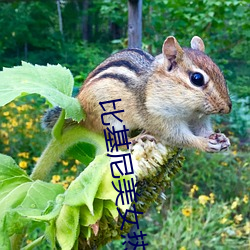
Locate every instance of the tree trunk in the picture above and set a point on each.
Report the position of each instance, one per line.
(59, 16)
(85, 20)
(134, 23)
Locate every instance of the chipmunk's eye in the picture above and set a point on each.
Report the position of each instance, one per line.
(197, 79)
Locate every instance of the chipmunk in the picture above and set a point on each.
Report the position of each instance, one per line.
(170, 96)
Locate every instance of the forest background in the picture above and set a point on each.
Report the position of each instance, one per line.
(207, 206)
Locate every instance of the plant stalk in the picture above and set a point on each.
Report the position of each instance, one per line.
(57, 147)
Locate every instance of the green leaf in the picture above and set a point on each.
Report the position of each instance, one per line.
(106, 190)
(83, 189)
(83, 152)
(14, 198)
(14, 223)
(53, 82)
(26, 202)
(67, 226)
(46, 216)
(111, 207)
(50, 234)
(9, 220)
(39, 194)
(20, 198)
(4, 240)
(86, 232)
(58, 127)
(9, 168)
(6, 186)
(34, 243)
(86, 218)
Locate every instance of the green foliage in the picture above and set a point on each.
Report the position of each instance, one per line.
(24, 200)
(238, 121)
(52, 82)
(201, 223)
(19, 198)
(81, 58)
(223, 25)
(207, 206)
(83, 152)
(232, 166)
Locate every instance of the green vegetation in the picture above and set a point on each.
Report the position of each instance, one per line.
(207, 206)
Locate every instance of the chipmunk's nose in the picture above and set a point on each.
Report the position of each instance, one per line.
(227, 108)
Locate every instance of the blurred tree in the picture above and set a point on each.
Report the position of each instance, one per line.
(58, 2)
(134, 23)
(31, 31)
(86, 21)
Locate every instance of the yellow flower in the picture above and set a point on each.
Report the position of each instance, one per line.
(14, 123)
(4, 134)
(6, 149)
(197, 242)
(211, 195)
(55, 178)
(225, 207)
(235, 203)
(24, 154)
(238, 233)
(6, 141)
(238, 218)
(70, 178)
(29, 124)
(35, 159)
(203, 199)
(224, 164)
(12, 105)
(247, 227)
(23, 164)
(245, 199)
(223, 235)
(182, 248)
(23, 107)
(234, 152)
(65, 163)
(6, 113)
(187, 211)
(73, 168)
(193, 190)
(223, 220)
(77, 162)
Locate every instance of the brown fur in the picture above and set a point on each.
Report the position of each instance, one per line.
(157, 95)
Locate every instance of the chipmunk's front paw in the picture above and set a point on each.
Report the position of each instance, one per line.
(217, 142)
(142, 138)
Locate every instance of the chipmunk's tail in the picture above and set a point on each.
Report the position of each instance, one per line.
(50, 117)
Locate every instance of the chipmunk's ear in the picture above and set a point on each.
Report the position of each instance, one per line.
(171, 49)
(197, 43)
